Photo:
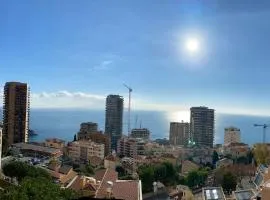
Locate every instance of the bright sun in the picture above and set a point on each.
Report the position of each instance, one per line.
(192, 45)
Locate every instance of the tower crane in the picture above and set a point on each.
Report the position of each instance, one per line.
(264, 126)
(129, 105)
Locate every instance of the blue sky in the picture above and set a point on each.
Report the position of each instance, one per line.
(73, 53)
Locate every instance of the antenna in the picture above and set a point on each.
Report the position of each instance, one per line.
(129, 104)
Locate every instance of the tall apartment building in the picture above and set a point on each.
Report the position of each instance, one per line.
(127, 147)
(83, 150)
(0, 149)
(179, 133)
(114, 118)
(86, 129)
(15, 113)
(202, 125)
(89, 127)
(231, 135)
(142, 133)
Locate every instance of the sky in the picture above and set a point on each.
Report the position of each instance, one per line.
(74, 53)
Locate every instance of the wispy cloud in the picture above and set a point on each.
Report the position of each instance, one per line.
(82, 100)
(67, 99)
(103, 65)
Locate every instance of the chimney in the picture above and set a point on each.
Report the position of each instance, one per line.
(109, 189)
(82, 181)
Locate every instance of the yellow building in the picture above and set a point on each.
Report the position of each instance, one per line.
(83, 150)
(55, 143)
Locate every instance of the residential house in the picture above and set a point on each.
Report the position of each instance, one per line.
(236, 150)
(54, 143)
(110, 162)
(62, 174)
(105, 185)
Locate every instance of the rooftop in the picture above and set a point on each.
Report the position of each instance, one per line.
(213, 193)
(56, 140)
(122, 189)
(37, 148)
(110, 158)
(243, 194)
(258, 179)
(82, 183)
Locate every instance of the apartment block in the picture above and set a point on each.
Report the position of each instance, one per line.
(84, 150)
(142, 133)
(231, 135)
(100, 138)
(127, 147)
(179, 133)
(15, 113)
(202, 125)
(88, 128)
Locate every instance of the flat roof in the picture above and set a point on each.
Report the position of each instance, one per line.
(258, 179)
(213, 193)
(32, 147)
(243, 194)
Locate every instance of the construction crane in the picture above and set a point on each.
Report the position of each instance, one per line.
(129, 105)
(264, 126)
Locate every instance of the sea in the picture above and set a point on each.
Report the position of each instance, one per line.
(63, 124)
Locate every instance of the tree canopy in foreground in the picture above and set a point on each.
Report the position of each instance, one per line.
(34, 184)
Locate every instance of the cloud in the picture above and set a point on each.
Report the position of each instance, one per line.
(103, 65)
(78, 99)
(67, 99)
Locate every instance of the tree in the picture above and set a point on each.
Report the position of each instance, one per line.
(215, 157)
(192, 179)
(75, 138)
(196, 177)
(229, 182)
(164, 172)
(146, 174)
(250, 157)
(37, 188)
(121, 171)
(261, 154)
(89, 169)
(242, 160)
(21, 170)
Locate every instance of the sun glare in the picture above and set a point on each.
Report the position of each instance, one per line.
(192, 45)
(179, 116)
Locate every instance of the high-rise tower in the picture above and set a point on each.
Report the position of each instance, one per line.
(202, 125)
(179, 133)
(114, 118)
(15, 113)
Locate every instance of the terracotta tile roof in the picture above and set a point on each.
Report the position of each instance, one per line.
(54, 166)
(54, 174)
(64, 169)
(109, 175)
(76, 185)
(100, 174)
(121, 189)
(128, 190)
